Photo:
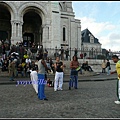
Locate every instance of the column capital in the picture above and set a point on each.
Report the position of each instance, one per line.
(45, 25)
(16, 22)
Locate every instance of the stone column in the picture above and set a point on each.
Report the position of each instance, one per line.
(20, 31)
(44, 36)
(16, 31)
(13, 23)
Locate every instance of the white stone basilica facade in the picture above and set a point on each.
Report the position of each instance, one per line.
(50, 23)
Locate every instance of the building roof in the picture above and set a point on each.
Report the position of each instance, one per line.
(85, 36)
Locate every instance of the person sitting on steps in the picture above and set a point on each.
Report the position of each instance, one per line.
(86, 67)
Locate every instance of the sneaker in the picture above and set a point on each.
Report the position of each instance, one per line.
(69, 88)
(60, 89)
(55, 90)
(117, 102)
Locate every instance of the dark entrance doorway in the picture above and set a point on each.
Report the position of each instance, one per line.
(28, 39)
(32, 26)
(5, 24)
(3, 35)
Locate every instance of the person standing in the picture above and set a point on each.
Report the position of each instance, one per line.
(59, 66)
(75, 52)
(62, 53)
(52, 65)
(103, 66)
(74, 73)
(117, 61)
(67, 53)
(12, 70)
(34, 78)
(108, 67)
(45, 54)
(42, 67)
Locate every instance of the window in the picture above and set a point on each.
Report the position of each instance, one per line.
(91, 38)
(64, 35)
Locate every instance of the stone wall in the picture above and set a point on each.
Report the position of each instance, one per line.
(95, 64)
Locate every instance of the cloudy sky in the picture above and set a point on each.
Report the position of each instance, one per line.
(102, 18)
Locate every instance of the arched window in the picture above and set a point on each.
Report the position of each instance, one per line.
(64, 34)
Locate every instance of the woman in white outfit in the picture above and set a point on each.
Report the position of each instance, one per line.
(58, 75)
(34, 79)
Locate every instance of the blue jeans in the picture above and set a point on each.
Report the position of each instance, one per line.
(20, 72)
(108, 70)
(11, 76)
(73, 79)
(41, 86)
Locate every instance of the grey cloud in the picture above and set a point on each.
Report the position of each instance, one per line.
(114, 36)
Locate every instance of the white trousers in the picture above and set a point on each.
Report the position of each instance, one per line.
(118, 89)
(34, 79)
(58, 80)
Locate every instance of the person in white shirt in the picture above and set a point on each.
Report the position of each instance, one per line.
(34, 79)
(28, 60)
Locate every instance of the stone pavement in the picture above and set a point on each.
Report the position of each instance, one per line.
(90, 100)
(94, 98)
(86, 76)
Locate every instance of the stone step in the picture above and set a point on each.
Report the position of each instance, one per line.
(66, 73)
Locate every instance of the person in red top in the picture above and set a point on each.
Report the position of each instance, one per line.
(74, 64)
(81, 56)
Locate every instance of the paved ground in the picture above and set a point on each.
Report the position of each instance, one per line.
(91, 100)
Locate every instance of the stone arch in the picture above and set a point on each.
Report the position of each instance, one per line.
(32, 5)
(31, 29)
(11, 8)
(7, 15)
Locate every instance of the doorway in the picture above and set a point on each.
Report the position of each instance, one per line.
(28, 39)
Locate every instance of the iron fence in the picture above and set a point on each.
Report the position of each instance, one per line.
(81, 54)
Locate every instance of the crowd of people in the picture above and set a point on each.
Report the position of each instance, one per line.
(21, 62)
(35, 64)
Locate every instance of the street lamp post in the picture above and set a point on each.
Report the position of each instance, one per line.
(92, 53)
(70, 39)
(56, 49)
(70, 53)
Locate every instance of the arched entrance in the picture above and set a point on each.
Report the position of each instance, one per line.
(32, 31)
(5, 24)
